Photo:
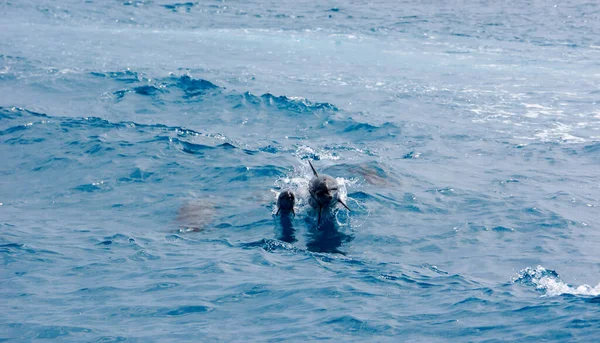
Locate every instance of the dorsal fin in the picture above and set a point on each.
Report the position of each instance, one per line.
(313, 169)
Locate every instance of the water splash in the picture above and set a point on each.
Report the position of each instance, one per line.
(549, 282)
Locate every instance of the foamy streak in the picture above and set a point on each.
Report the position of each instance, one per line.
(556, 287)
(304, 150)
(551, 284)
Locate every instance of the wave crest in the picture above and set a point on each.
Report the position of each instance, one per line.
(549, 282)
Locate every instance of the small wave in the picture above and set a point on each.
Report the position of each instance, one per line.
(93, 187)
(67, 123)
(192, 148)
(147, 90)
(190, 87)
(411, 155)
(293, 104)
(352, 324)
(385, 130)
(592, 148)
(127, 76)
(177, 7)
(272, 245)
(139, 175)
(110, 339)
(17, 112)
(194, 87)
(160, 286)
(55, 332)
(185, 310)
(405, 279)
(361, 131)
(275, 245)
(152, 311)
(548, 281)
(143, 255)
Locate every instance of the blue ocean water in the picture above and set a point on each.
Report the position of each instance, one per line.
(143, 144)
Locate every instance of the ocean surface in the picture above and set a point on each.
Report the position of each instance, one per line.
(143, 145)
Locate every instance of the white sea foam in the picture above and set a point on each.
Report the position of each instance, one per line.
(560, 132)
(536, 110)
(550, 283)
(323, 155)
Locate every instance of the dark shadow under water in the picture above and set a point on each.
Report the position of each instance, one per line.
(286, 231)
(323, 238)
(195, 216)
(326, 236)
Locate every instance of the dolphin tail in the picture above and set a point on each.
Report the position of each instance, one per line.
(313, 169)
(346, 206)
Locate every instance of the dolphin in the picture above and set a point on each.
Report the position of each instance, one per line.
(285, 203)
(323, 191)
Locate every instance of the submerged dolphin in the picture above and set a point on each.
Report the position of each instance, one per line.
(285, 203)
(323, 191)
(196, 216)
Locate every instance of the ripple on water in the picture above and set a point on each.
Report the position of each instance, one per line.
(161, 286)
(350, 324)
(110, 339)
(156, 311)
